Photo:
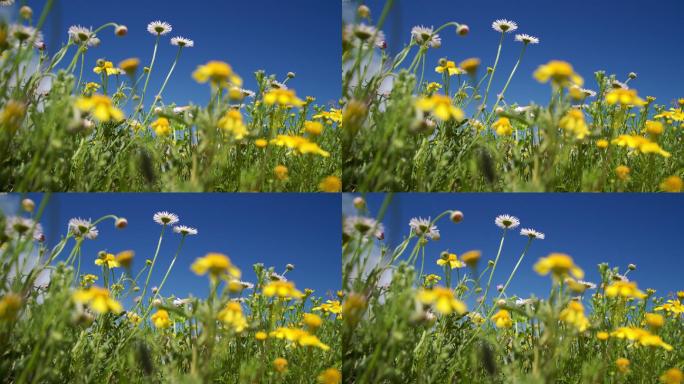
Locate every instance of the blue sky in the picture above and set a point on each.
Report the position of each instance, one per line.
(274, 229)
(615, 36)
(277, 36)
(644, 229)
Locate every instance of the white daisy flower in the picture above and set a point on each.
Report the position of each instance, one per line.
(364, 226)
(17, 226)
(178, 302)
(619, 84)
(247, 92)
(504, 26)
(159, 28)
(531, 233)
(425, 35)
(165, 218)
(522, 108)
(424, 227)
(587, 284)
(182, 42)
(82, 228)
(80, 34)
(277, 84)
(6, 3)
(588, 92)
(276, 277)
(20, 33)
(246, 284)
(526, 39)
(185, 230)
(506, 221)
(181, 109)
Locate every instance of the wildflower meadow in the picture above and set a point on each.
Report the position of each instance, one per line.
(59, 324)
(405, 325)
(403, 132)
(59, 132)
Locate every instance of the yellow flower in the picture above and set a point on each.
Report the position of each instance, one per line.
(672, 184)
(97, 299)
(622, 172)
(133, 318)
(502, 319)
(624, 97)
(573, 122)
(217, 265)
(330, 376)
(672, 376)
(280, 364)
(672, 306)
(330, 306)
(130, 65)
(91, 87)
(471, 258)
(299, 337)
(12, 115)
(161, 126)
(233, 317)
(672, 114)
(641, 337)
(450, 67)
(440, 106)
(9, 306)
(281, 289)
(125, 258)
(624, 289)
(622, 365)
(311, 320)
(108, 68)
(573, 314)
(161, 319)
(88, 279)
(559, 72)
(282, 97)
(602, 143)
(432, 279)
(108, 260)
(232, 123)
(442, 300)
(261, 335)
(332, 116)
(603, 336)
(654, 320)
(470, 65)
(313, 128)
(503, 126)
(560, 265)
(451, 259)
(654, 128)
(280, 171)
(640, 143)
(260, 143)
(218, 73)
(300, 144)
(100, 106)
(433, 87)
(330, 184)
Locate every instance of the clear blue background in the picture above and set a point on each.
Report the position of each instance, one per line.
(274, 229)
(618, 36)
(644, 229)
(302, 36)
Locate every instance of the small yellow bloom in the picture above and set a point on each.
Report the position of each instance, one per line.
(654, 128)
(330, 306)
(603, 336)
(673, 307)
(280, 172)
(218, 73)
(97, 299)
(624, 289)
(12, 115)
(281, 289)
(442, 300)
(10, 304)
(624, 97)
(440, 106)
(91, 87)
(261, 335)
(313, 128)
(449, 67)
(125, 258)
(108, 260)
(133, 318)
(282, 97)
(330, 184)
(433, 87)
(640, 143)
(471, 258)
(233, 317)
(672, 184)
(300, 144)
(622, 172)
(470, 65)
(573, 314)
(330, 376)
(503, 319)
(559, 72)
(432, 279)
(451, 259)
(573, 122)
(130, 65)
(108, 68)
(672, 376)
(602, 143)
(503, 126)
(161, 319)
(311, 320)
(560, 265)
(622, 365)
(101, 107)
(232, 123)
(88, 279)
(260, 143)
(641, 337)
(332, 116)
(280, 364)
(654, 320)
(217, 265)
(161, 126)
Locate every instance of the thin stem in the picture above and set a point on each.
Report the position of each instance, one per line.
(147, 79)
(161, 90)
(491, 273)
(510, 278)
(149, 273)
(491, 76)
(503, 91)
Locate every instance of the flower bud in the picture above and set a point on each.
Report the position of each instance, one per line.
(291, 75)
(456, 216)
(28, 205)
(363, 11)
(631, 267)
(501, 303)
(26, 12)
(462, 30)
(155, 290)
(156, 303)
(632, 75)
(121, 30)
(359, 203)
(290, 267)
(121, 223)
